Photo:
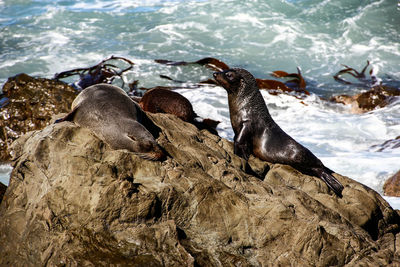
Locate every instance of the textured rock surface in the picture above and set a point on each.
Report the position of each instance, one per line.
(73, 201)
(29, 105)
(377, 97)
(392, 186)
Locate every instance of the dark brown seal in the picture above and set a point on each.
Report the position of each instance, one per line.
(109, 112)
(159, 100)
(256, 132)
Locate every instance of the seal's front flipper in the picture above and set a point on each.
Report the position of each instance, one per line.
(243, 141)
(331, 181)
(69, 117)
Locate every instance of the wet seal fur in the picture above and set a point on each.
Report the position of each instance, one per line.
(160, 100)
(109, 112)
(257, 133)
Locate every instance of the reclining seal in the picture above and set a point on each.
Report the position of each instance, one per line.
(109, 112)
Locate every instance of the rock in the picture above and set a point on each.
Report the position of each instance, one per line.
(28, 104)
(392, 186)
(3, 189)
(73, 201)
(377, 97)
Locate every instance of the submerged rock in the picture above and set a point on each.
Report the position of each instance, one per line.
(73, 201)
(29, 104)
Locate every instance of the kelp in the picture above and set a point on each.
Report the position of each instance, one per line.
(358, 75)
(105, 72)
(377, 96)
(298, 80)
(273, 85)
(102, 72)
(188, 84)
(209, 62)
(297, 84)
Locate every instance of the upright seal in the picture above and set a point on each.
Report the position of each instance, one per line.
(257, 133)
(109, 112)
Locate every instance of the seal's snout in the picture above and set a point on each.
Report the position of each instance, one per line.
(220, 79)
(218, 75)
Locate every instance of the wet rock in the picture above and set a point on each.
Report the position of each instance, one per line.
(31, 102)
(73, 201)
(392, 186)
(377, 97)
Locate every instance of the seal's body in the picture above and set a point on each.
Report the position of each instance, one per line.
(159, 100)
(110, 113)
(257, 133)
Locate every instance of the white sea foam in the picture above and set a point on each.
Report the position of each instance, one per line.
(5, 171)
(170, 33)
(393, 201)
(284, 33)
(248, 19)
(121, 6)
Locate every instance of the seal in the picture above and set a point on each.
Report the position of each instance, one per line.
(160, 100)
(257, 133)
(109, 112)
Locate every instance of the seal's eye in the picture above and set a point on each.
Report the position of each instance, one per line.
(229, 75)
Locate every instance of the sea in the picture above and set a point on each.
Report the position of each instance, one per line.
(45, 37)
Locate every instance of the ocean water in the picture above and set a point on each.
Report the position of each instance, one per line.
(41, 38)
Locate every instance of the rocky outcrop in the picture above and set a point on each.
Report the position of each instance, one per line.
(28, 104)
(73, 201)
(377, 97)
(392, 186)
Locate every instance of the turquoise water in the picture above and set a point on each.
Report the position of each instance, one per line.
(42, 38)
(45, 37)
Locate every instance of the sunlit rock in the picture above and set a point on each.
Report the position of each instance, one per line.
(73, 201)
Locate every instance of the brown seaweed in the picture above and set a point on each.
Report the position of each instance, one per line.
(275, 87)
(279, 74)
(102, 72)
(297, 80)
(272, 85)
(217, 65)
(192, 86)
(213, 63)
(358, 75)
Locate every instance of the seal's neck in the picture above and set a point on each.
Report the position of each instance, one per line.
(252, 99)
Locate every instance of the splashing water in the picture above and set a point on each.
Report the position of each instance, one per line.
(42, 38)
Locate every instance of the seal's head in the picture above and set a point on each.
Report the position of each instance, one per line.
(141, 142)
(235, 80)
